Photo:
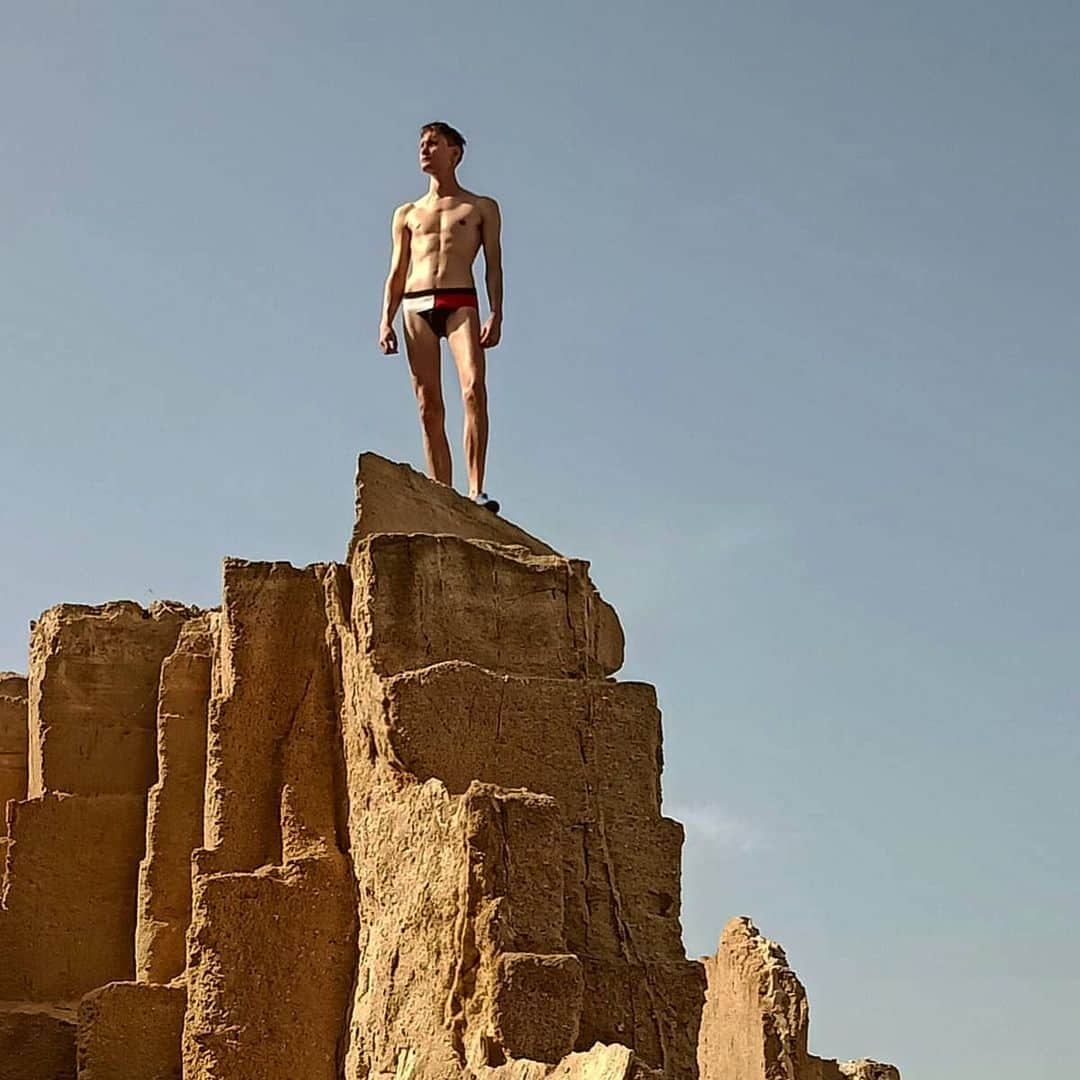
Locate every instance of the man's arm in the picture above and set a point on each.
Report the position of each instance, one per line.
(491, 237)
(395, 281)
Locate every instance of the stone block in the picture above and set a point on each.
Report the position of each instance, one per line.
(271, 961)
(37, 1042)
(131, 1031)
(595, 747)
(654, 1009)
(537, 1007)
(68, 922)
(273, 768)
(174, 826)
(756, 1018)
(561, 737)
(14, 708)
(395, 498)
(426, 599)
(93, 687)
(599, 1063)
(644, 857)
(419, 958)
(514, 841)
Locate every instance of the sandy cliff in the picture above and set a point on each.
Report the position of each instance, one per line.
(388, 818)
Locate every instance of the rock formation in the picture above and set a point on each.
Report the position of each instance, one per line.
(13, 745)
(385, 819)
(756, 1018)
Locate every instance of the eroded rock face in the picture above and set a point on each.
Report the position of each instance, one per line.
(387, 820)
(270, 963)
(429, 599)
(13, 741)
(68, 919)
(130, 1031)
(174, 826)
(599, 1063)
(428, 739)
(756, 1018)
(37, 1042)
(865, 1069)
(272, 942)
(94, 675)
(68, 914)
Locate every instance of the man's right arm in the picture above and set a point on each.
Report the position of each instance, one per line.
(395, 281)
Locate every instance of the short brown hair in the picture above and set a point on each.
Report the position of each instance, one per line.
(450, 134)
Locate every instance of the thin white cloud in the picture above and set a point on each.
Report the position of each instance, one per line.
(713, 826)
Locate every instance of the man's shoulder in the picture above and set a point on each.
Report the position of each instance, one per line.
(486, 204)
(403, 209)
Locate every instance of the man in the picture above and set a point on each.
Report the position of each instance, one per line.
(435, 242)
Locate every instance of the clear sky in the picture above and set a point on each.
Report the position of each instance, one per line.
(790, 354)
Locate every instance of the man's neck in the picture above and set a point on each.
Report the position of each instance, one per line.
(441, 186)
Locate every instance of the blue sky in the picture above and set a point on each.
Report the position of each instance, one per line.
(789, 354)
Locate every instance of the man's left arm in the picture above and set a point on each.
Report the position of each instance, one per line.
(491, 237)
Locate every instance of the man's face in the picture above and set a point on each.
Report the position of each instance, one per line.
(436, 154)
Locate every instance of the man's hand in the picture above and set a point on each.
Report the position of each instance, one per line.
(387, 339)
(491, 332)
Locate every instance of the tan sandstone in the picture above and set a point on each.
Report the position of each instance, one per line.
(131, 1031)
(13, 741)
(863, 1069)
(448, 724)
(272, 943)
(37, 1042)
(599, 1063)
(68, 914)
(393, 819)
(94, 675)
(174, 825)
(394, 498)
(756, 1019)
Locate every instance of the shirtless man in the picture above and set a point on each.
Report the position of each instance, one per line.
(435, 242)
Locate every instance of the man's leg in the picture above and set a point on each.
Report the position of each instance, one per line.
(422, 347)
(463, 334)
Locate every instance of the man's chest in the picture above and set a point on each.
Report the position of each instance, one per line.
(459, 224)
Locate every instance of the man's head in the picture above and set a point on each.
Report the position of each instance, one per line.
(441, 148)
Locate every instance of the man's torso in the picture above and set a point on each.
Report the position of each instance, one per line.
(444, 237)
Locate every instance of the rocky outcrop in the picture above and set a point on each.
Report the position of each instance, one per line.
(756, 1019)
(528, 785)
(272, 944)
(13, 743)
(174, 820)
(388, 819)
(392, 498)
(865, 1069)
(67, 918)
(94, 676)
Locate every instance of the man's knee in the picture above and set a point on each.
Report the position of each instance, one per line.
(474, 394)
(432, 409)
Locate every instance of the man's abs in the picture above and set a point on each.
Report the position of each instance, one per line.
(443, 246)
